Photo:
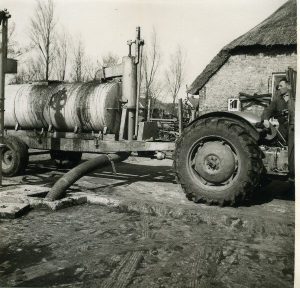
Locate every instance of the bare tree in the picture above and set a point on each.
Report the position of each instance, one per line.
(175, 74)
(29, 70)
(15, 51)
(156, 95)
(150, 65)
(61, 55)
(91, 67)
(35, 69)
(77, 73)
(13, 48)
(109, 60)
(42, 26)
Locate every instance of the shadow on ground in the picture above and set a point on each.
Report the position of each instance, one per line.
(44, 172)
(276, 189)
(135, 172)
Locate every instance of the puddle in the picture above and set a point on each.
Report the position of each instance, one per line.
(15, 262)
(21, 257)
(63, 276)
(38, 195)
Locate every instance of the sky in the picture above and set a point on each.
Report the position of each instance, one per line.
(200, 27)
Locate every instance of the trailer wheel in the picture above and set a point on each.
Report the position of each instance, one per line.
(14, 156)
(65, 159)
(217, 162)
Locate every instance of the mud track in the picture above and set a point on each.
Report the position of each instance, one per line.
(156, 238)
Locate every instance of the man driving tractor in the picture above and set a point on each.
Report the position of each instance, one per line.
(282, 107)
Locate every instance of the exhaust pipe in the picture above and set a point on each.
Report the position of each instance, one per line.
(59, 189)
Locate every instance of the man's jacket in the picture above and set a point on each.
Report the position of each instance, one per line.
(275, 109)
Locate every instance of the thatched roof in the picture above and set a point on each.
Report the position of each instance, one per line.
(279, 29)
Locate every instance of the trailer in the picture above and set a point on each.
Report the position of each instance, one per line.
(71, 119)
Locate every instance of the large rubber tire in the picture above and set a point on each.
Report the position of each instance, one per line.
(65, 159)
(14, 156)
(227, 182)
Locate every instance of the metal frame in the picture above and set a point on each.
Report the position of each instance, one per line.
(86, 142)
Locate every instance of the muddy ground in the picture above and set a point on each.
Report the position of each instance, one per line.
(156, 238)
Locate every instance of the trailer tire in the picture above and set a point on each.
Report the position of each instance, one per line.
(217, 162)
(14, 156)
(65, 159)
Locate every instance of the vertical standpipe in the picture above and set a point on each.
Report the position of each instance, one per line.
(129, 91)
(180, 115)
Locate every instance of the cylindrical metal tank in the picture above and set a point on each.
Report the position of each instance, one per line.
(65, 107)
(129, 90)
(29, 112)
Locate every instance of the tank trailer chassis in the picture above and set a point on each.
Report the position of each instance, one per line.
(55, 133)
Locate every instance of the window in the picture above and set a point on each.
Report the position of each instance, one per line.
(234, 104)
(276, 77)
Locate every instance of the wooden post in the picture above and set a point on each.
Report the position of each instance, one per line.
(4, 15)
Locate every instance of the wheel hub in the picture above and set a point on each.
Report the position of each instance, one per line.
(215, 162)
(7, 158)
(212, 162)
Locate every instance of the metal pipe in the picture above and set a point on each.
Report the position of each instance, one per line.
(193, 116)
(137, 45)
(131, 123)
(149, 109)
(180, 115)
(59, 189)
(139, 78)
(129, 91)
(4, 15)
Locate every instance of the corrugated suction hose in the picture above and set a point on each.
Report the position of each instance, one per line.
(59, 189)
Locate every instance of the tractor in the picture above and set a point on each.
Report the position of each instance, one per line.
(222, 158)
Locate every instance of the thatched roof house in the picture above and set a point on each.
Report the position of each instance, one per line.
(276, 35)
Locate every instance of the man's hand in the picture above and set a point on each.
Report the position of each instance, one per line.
(266, 124)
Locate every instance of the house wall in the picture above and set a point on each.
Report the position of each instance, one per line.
(246, 73)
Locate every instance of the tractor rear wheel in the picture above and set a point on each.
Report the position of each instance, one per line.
(14, 156)
(217, 162)
(65, 159)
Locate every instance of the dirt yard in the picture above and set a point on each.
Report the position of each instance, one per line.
(154, 237)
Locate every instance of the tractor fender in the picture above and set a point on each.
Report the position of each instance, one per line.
(246, 119)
